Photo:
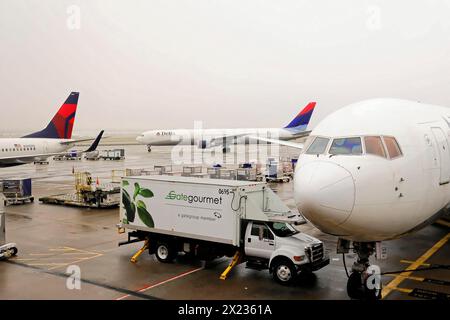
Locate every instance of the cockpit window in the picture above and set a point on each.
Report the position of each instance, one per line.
(350, 146)
(318, 146)
(392, 147)
(374, 145)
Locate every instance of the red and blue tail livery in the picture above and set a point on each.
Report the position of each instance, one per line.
(301, 121)
(62, 123)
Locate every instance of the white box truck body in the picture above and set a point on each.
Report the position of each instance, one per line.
(211, 218)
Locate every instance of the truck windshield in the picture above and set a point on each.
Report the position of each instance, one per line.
(282, 229)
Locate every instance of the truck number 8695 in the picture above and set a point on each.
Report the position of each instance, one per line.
(224, 191)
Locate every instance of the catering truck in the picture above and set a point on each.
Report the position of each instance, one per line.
(210, 218)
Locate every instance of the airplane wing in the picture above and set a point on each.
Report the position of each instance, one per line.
(301, 134)
(226, 139)
(22, 159)
(71, 141)
(229, 139)
(280, 142)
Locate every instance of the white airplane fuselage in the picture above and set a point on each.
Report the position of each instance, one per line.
(367, 197)
(25, 147)
(197, 136)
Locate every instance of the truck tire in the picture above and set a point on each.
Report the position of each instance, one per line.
(164, 252)
(284, 272)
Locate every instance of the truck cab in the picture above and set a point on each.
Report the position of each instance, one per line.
(280, 247)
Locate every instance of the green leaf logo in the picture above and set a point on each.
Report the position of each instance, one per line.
(144, 215)
(137, 188)
(146, 193)
(132, 205)
(128, 205)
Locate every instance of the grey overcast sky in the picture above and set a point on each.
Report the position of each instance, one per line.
(248, 63)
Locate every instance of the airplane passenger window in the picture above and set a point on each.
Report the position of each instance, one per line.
(351, 146)
(318, 146)
(392, 147)
(375, 146)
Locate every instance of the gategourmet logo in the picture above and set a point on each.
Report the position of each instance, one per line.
(172, 195)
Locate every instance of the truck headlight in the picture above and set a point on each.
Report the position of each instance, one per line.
(299, 258)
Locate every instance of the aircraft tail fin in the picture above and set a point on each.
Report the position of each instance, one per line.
(94, 145)
(301, 120)
(60, 127)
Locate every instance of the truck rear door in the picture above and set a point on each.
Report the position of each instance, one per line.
(259, 240)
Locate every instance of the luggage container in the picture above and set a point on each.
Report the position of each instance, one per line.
(133, 172)
(163, 169)
(17, 191)
(114, 154)
(227, 174)
(246, 174)
(213, 172)
(93, 155)
(274, 172)
(192, 171)
(71, 155)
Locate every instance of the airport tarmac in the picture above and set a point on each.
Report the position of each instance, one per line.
(53, 238)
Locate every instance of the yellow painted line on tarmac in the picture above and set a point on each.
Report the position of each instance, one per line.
(71, 255)
(404, 290)
(443, 223)
(47, 258)
(81, 253)
(76, 261)
(409, 278)
(399, 279)
(411, 262)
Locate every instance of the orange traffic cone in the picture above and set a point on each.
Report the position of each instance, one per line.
(98, 181)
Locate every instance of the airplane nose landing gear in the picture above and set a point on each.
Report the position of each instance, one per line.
(364, 283)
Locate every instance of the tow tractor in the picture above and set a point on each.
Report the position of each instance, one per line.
(7, 250)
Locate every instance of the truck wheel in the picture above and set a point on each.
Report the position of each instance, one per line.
(284, 272)
(164, 252)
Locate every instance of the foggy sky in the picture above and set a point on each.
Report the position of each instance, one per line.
(251, 63)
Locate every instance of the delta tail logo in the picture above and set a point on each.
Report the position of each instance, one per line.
(60, 127)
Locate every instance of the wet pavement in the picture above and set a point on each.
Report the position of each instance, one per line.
(56, 240)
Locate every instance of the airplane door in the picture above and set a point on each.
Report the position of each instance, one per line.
(444, 154)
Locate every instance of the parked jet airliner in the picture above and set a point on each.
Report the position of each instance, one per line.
(373, 171)
(52, 140)
(207, 138)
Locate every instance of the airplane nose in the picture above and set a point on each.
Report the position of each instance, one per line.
(324, 193)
